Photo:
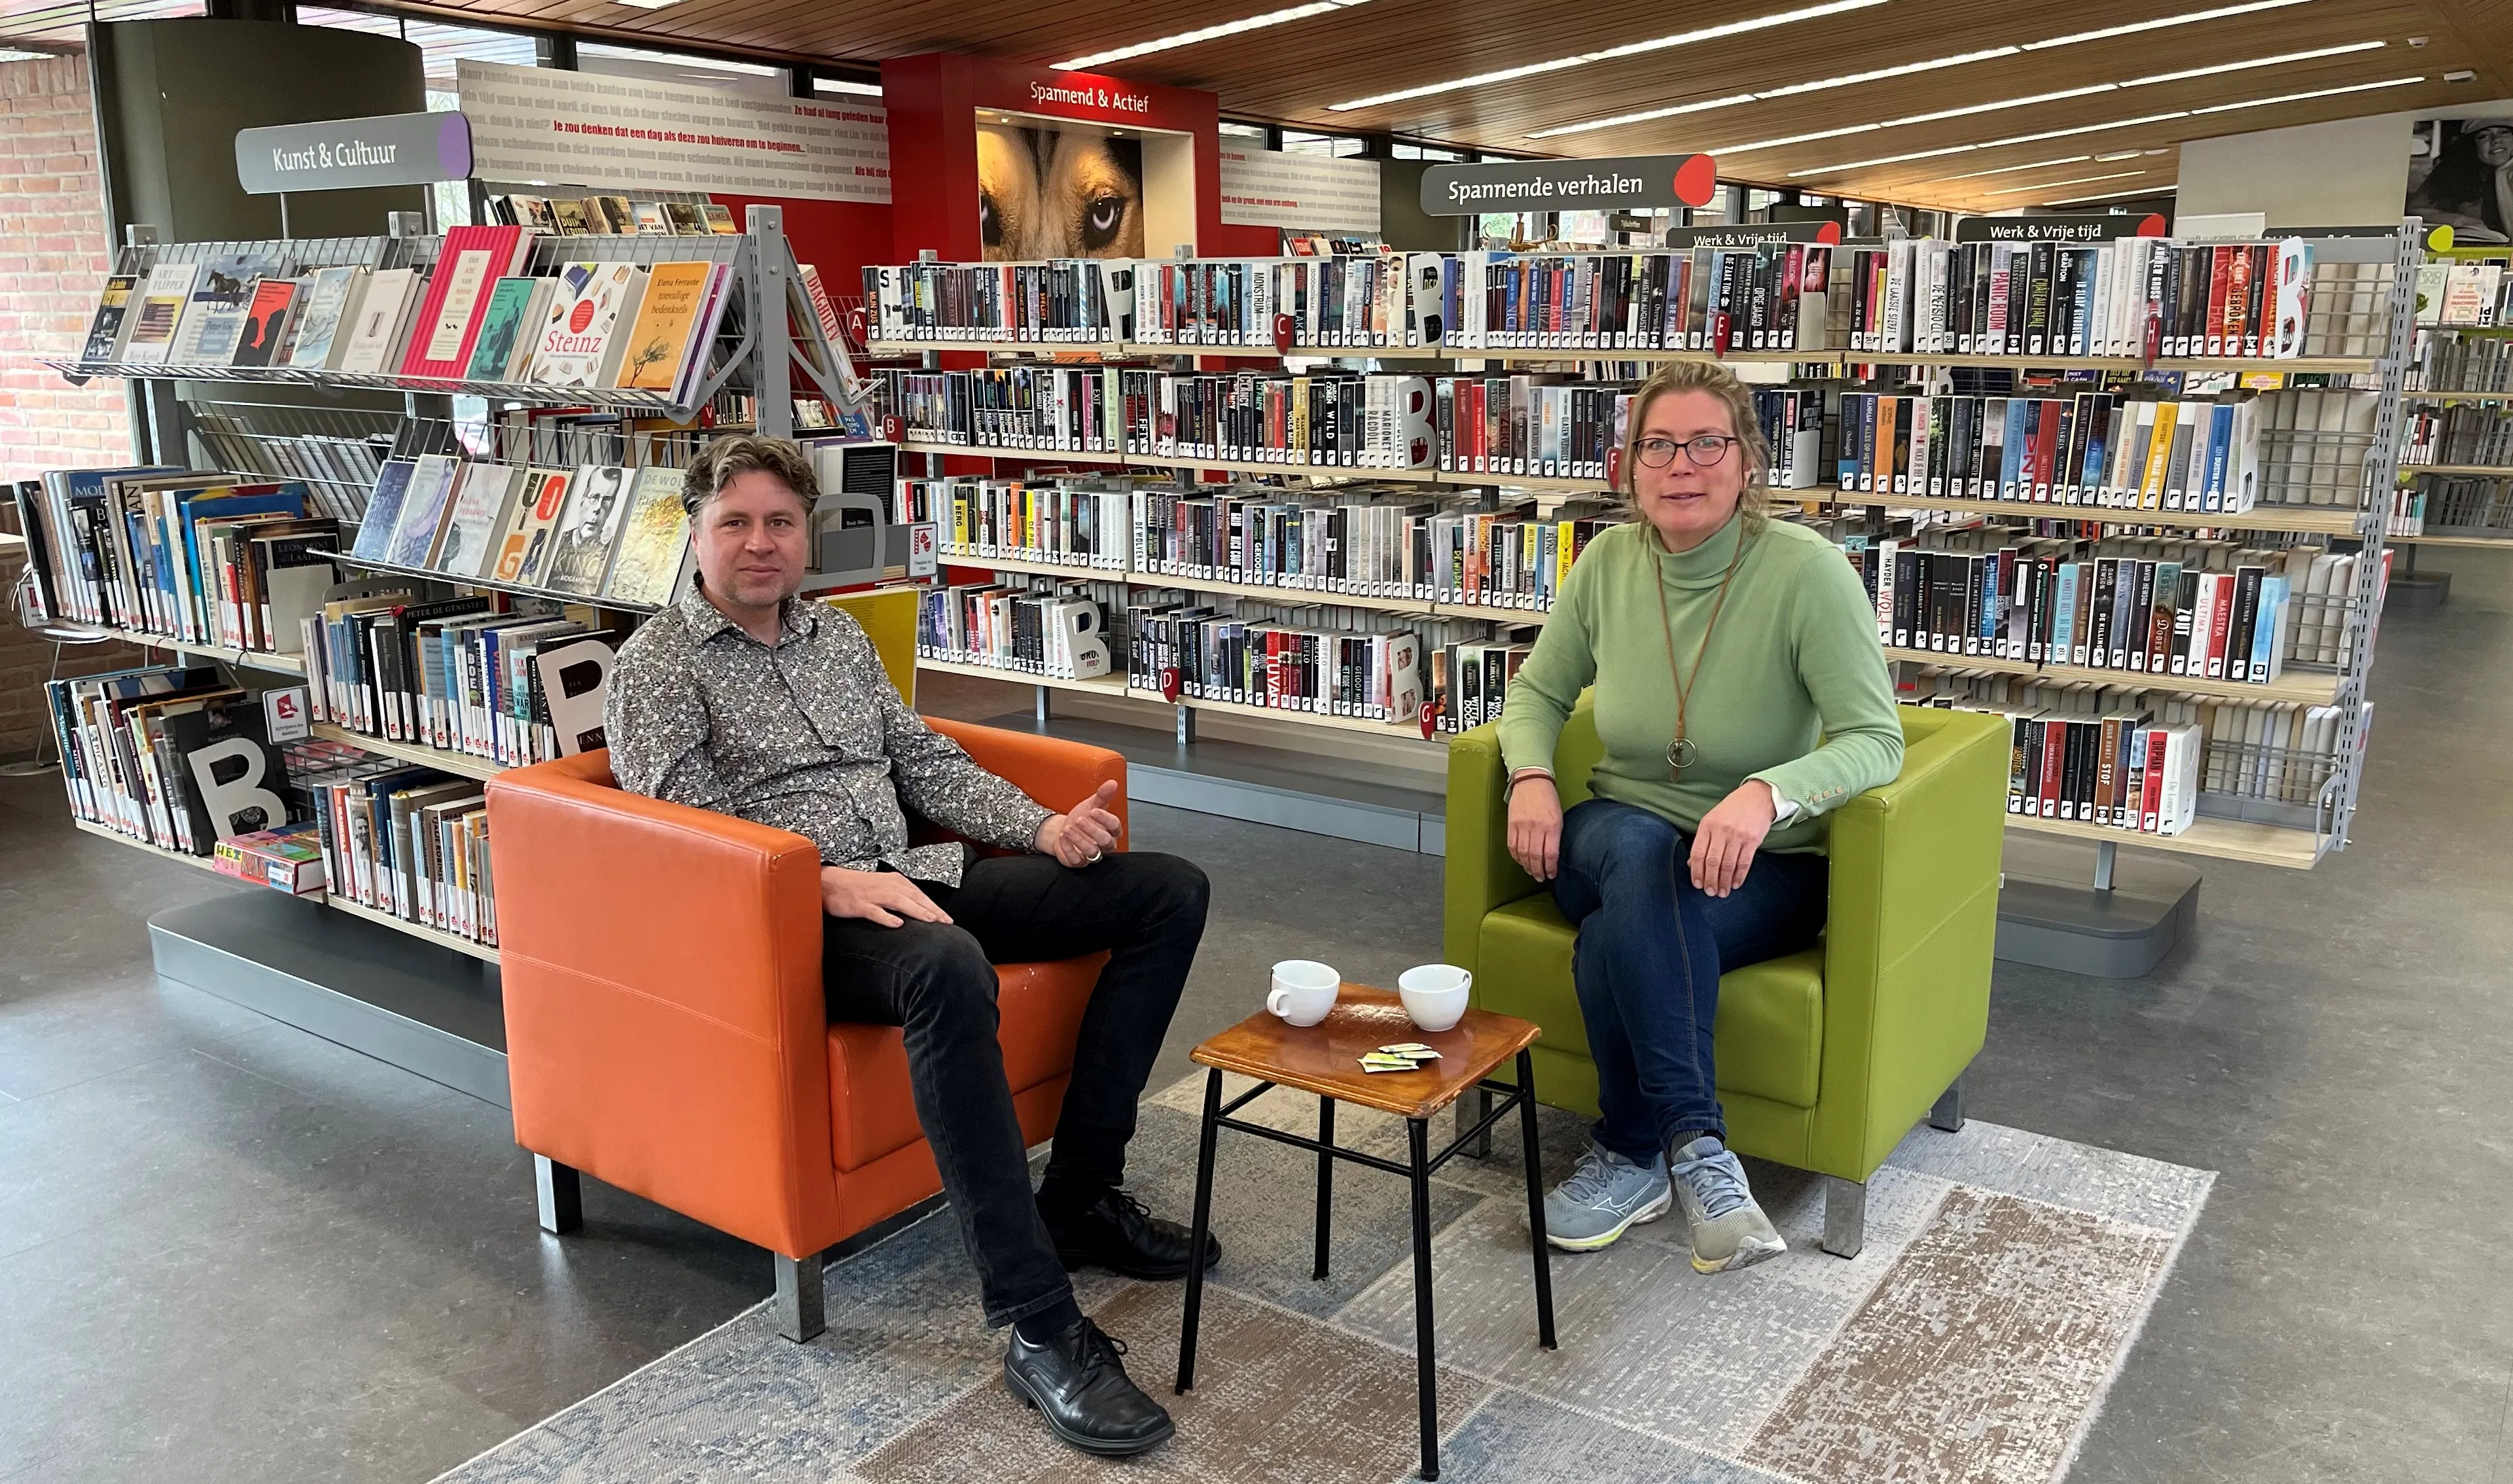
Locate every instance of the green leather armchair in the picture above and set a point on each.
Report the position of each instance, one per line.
(1828, 1057)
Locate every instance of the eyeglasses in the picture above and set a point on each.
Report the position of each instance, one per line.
(1705, 451)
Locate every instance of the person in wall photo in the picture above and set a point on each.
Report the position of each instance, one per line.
(743, 700)
(1741, 694)
(2465, 179)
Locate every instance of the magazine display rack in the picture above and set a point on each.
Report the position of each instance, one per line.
(330, 431)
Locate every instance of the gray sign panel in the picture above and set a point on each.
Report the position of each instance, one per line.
(2088, 227)
(349, 153)
(1629, 183)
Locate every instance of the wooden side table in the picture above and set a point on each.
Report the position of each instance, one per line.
(1325, 1059)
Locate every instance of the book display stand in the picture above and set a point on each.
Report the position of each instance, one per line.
(412, 992)
(2284, 759)
(2457, 463)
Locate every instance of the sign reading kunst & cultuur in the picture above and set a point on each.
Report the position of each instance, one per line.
(350, 153)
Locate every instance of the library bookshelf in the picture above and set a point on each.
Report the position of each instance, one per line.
(2361, 334)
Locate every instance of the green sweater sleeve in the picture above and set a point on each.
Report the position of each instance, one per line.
(1832, 637)
(1548, 685)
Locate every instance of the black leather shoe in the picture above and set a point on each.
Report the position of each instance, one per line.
(1078, 1384)
(1117, 1233)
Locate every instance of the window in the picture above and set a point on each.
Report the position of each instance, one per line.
(749, 77)
(1426, 152)
(846, 86)
(1231, 130)
(1339, 146)
(68, 22)
(439, 46)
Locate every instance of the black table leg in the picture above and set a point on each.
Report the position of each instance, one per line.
(1426, 1359)
(1202, 1228)
(1326, 1183)
(1535, 1202)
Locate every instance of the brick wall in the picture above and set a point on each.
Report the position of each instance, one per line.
(53, 256)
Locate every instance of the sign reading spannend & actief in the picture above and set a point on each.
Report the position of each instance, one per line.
(1630, 182)
(350, 153)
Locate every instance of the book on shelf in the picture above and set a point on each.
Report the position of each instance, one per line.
(2197, 610)
(524, 543)
(385, 315)
(719, 219)
(482, 499)
(657, 348)
(214, 322)
(266, 322)
(587, 533)
(288, 859)
(584, 340)
(653, 561)
(113, 322)
(516, 309)
(173, 756)
(2132, 298)
(418, 528)
(163, 297)
(330, 301)
(468, 267)
(2088, 447)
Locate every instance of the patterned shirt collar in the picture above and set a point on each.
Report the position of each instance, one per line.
(800, 620)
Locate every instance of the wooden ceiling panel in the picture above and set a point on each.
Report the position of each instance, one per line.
(1292, 72)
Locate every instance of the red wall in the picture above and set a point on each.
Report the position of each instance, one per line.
(840, 238)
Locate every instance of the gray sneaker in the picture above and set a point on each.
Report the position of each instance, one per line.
(1729, 1229)
(1605, 1196)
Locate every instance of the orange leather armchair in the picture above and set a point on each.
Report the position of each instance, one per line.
(665, 1022)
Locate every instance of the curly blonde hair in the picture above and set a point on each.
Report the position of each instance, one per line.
(1720, 382)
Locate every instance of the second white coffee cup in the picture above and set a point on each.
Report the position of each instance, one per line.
(1303, 990)
(1435, 994)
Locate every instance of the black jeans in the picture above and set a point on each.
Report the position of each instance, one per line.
(938, 983)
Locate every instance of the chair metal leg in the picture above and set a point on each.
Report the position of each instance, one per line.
(1845, 1216)
(1201, 1231)
(1426, 1363)
(1326, 1184)
(1535, 1203)
(560, 1193)
(799, 1307)
(1948, 1114)
(1470, 1111)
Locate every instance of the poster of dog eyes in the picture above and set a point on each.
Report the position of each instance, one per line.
(2460, 173)
(1047, 192)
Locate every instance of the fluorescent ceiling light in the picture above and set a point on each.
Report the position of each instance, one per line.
(2257, 62)
(2160, 23)
(2118, 123)
(648, 5)
(2297, 98)
(832, 85)
(2115, 195)
(1628, 49)
(1880, 73)
(1799, 138)
(2003, 170)
(2122, 154)
(1201, 34)
(1647, 114)
(2018, 190)
(2002, 104)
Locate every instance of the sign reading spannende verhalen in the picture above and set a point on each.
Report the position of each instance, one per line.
(634, 134)
(350, 153)
(1628, 183)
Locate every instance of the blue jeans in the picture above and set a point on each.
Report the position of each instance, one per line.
(1652, 947)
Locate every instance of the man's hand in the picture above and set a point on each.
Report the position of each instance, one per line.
(1536, 825)
(1722, 848)
(886, 897)
(1085, 832)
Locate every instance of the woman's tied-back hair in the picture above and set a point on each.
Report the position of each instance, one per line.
(1720, 382)
(734, 455)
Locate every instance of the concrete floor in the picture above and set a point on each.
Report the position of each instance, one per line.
(230, 1251)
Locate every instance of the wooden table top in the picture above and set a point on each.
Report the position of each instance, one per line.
(1326, 1058)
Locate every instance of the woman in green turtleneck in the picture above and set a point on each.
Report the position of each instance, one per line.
(1740, 695)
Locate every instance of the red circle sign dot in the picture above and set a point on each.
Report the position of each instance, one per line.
(1696, 179)
(580, 318)
(1828, 232)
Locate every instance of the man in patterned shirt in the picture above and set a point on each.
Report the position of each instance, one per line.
(742, 700)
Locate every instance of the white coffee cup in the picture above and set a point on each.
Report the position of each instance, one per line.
(1435, 994)
(1303, 990)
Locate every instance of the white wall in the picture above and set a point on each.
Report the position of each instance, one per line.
(2347, 172)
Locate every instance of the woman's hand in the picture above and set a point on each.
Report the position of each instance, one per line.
(1536, 825)
(886, 897)
(1724, 846)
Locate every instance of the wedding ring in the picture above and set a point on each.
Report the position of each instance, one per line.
(1095, 858)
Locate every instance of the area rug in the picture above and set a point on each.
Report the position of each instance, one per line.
(2005, 1278)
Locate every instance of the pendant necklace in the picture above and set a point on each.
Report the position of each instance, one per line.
(1680, 753)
